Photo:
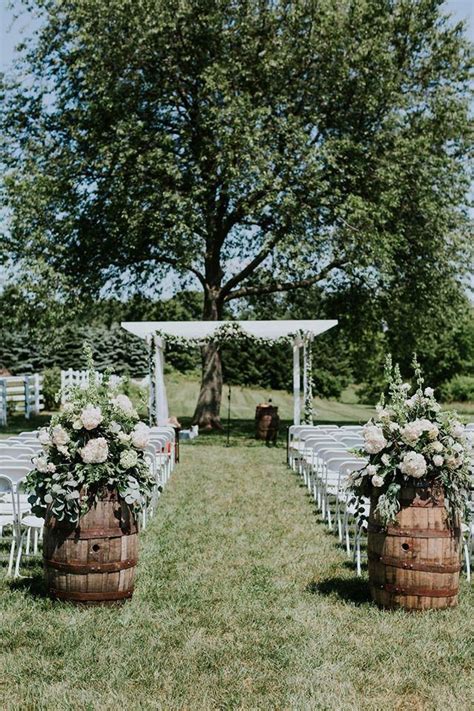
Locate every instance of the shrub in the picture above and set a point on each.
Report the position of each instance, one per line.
(459, 389)
(51, 387)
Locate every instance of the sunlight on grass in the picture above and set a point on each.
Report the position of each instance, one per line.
(243, 601)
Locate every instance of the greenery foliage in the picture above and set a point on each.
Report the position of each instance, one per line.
(95, 444)
(411, 443)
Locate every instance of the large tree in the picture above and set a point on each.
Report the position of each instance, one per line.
(256, 146)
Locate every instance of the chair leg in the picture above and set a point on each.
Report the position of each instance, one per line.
(467, 561)
(12, 555)
(18, 556)
(35, 541)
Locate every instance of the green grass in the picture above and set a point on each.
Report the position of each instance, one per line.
(243, 601)
(183, 392)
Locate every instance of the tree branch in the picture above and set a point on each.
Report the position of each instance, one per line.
(175, 263)
(251, 266)
(275, 287)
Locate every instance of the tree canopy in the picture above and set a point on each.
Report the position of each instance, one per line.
(254, 147)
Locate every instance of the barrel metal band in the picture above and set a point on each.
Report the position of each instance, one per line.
(88, 533)
(412, 532)
(418, 592)
(413, 564)
(92, 596)
(93, 567)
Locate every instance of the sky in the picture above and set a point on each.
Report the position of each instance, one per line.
(11, 31)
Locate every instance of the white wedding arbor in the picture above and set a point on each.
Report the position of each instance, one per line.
(155, 332)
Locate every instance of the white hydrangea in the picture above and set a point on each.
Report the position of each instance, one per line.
(59, 436)
(123, 403)
(91, 417)
(413, 464)
(412, 431)
(374, 439)
(141, 435)
(128, 459)
(95, 451)
(438, 460)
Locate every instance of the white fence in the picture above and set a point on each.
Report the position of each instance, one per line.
(71, 378)
(20, 393)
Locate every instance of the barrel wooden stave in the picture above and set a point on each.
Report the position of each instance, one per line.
(93, 563)
(415, 564)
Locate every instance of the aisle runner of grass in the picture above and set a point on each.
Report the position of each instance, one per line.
(243, 601)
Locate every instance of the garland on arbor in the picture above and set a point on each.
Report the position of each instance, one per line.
(228, 332)
(308, 413)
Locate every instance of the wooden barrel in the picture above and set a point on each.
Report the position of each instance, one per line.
(415, 562)
(93, 562)
(267, 423)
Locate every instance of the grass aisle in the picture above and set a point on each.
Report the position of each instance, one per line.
(243, 601)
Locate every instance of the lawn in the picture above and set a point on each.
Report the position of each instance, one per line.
(243, 601)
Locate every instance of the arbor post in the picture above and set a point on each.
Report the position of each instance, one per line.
(296, 381)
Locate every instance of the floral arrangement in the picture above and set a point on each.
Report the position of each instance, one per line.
(411, 440)
(96, 442)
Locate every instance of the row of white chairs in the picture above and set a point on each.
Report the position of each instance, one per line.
(322, 456)
(16, 455)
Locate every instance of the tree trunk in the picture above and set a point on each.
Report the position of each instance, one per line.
(207, 412)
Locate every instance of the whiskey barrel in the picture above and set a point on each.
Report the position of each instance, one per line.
(94, 561)
(267, 422)
(414, 563)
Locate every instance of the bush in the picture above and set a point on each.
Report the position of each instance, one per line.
(459, 389)
(51, 387)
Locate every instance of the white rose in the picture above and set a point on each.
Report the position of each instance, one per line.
(385, 459)
(77, 425)
(371, 469)
(91, 417)
(438, 460)
(114, 427)
(140, 436)
(95, 451)
(436, 447)
(374, 439)
(124, 437)
(41, 464)
(64, 450)
(413, 464)
(457, 429)
(59, 436)
(457, 447)
(122, 402)
(377, 480)
(43, 438)
(394, 426)
(429, 392)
